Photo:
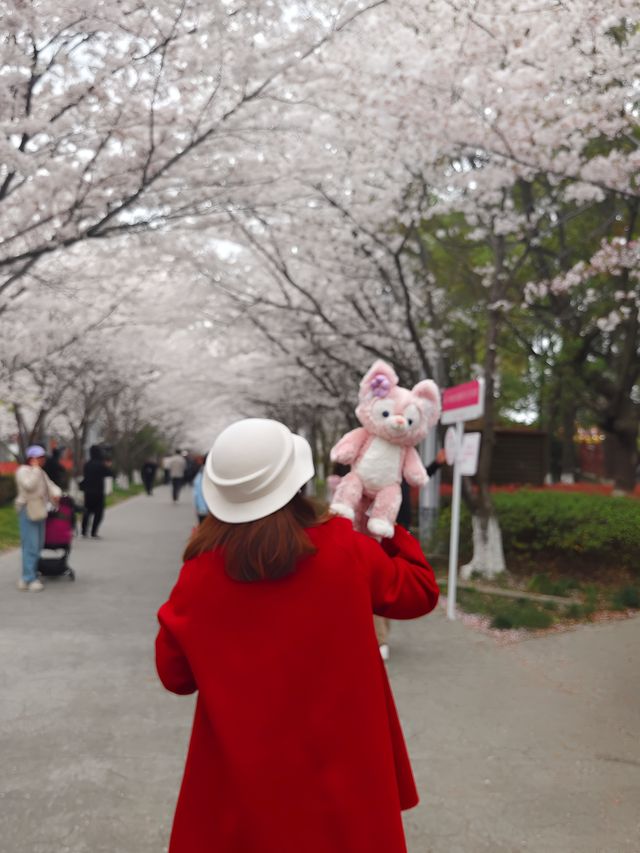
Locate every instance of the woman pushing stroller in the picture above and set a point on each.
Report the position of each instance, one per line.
(35, 492)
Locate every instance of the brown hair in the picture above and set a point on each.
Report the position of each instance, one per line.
(267, 548)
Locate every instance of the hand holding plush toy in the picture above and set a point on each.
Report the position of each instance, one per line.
(382, 451)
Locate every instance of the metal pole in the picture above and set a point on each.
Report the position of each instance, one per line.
(428, 498)
(455, 526)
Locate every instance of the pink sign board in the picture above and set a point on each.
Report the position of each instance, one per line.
(459, 396)
(463, 402)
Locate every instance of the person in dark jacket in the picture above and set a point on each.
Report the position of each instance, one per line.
(405, 512)
(148, 474)
(96, 470)
(56, 471)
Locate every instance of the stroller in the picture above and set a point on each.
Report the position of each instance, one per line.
(58, 536)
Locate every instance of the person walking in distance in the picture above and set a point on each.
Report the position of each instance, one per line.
(96, 470)
(177, 467)
(199, 503)
(34, 492)
(296, 742)
(148, 475)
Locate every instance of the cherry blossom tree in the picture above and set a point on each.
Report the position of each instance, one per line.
(512, 119)
(499, 105)
(600, 305)
(127, 118)
(292, 190)
(78, 345)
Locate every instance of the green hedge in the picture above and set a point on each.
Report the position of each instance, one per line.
(577, 531)
(7, 489)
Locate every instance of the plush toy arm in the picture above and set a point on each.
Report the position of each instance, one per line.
(413, 470)
(347, 449)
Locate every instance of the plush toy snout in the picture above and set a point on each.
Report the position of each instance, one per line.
(399, 423)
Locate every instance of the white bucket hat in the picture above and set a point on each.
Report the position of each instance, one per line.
(35, 452)
(253, 469)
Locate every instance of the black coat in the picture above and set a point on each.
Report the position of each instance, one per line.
(148, 470)
(94, 476)
(57, 473)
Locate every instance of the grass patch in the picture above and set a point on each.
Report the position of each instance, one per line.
(511, 613)
(118, 495)
(591, 600)
(576, 612)
(524, 615)
(546, 585)
(627, 598)
(506, 613)
(9, 531)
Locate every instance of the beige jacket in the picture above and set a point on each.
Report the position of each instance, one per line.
(32, 482)
(177, 466)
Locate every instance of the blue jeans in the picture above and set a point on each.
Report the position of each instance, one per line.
(32, 541)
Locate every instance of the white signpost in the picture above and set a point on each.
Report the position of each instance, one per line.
(459, 404)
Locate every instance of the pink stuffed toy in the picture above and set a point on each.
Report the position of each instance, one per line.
(382, 451)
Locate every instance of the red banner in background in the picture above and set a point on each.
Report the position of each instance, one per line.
(460, 396)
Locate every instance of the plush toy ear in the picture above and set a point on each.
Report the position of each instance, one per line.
(428, 390)
(378, 380)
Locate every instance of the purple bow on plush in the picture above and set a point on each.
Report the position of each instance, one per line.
(380, 385)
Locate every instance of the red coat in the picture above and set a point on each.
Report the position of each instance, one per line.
(296, 744)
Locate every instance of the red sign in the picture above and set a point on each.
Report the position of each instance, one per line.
(463, 402)
(467, 394)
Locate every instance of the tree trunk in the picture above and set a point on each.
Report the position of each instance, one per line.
(621, 415)
(29, 435)
(568, 464)
(20, 427)
(488, 557)
(78, 451)
(622, 458)
(621, 448)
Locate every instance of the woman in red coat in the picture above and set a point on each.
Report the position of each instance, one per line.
(296, 744)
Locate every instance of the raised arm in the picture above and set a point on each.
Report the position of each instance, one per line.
(437, 463)
(402, 583)
(346, 450)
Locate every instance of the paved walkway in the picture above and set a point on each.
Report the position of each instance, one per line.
(529, 747)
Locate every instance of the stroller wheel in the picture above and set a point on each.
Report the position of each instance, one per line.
(72, 574)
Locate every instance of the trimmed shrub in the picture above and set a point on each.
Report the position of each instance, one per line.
(501, 622)
(587, 531)
(7, 489)
(573, 531)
